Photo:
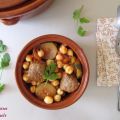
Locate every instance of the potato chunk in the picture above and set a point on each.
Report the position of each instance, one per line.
(45, 89)
(50, 50)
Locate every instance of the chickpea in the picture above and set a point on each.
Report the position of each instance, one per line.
(63, 49)
(59, 64)
(73, 59)
(48, 100)
(26, 65)
(33, 83)
(25, 77)
(69, 69)
(40, 53)
(29, 58)
(48, 62)
(32, 89)
(70, 52)
(78, 73)
(57, 98)
(59, 75)
(55, 83)
(59, 57)
(60, 92)
(65, 66)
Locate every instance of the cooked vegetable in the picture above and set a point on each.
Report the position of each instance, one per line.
(40, 53)
(26, 65)
(32, 89)
(49, 61)
(36, 71)
(63, 49)
(48, 100)
(60, 92)
(29, 58)
(50, 50)
(78, 68)
(45, 89)
(57, 98)
(79, 73)
(73, 59)
(70, 52)
(55, 83)
(69, 69)
(69, 83)
(59, 64)
(59, 57)
(35, 55)
(25, 77)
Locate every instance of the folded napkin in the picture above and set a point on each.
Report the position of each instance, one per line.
(108, 63)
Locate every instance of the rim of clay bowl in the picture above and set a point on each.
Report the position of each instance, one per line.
(22, 9)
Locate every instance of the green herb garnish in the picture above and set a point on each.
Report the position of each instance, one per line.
(84, 20)
(80, 20)
(77, 13)
(49, 73)
(2, 86)
(4, 61)
(2, 46)
(81, 31)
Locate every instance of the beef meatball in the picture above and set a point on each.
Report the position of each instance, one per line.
(69, 83)
(36, 71)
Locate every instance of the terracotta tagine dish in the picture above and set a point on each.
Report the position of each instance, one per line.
(11, 11)
(52, 72)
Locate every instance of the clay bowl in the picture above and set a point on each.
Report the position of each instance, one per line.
(16, 9)
(73, 97)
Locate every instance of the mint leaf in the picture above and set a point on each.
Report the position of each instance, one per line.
(76, 13)
(5, 60)
(2, 46)
(52, 67)
(2, 86)
(1, 42)
(53, 76)
(84, 20)
(49, 73)
(81, 31)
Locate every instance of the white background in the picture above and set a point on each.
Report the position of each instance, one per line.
(97, 103)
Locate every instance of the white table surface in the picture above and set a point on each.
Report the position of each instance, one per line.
(97, 103)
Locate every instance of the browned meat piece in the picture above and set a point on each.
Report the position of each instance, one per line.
(69, 83)
(45, 89)
(49, 49)
(36, 71)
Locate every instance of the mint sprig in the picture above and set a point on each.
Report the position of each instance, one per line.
(2, 47)
(49, 73)
(4, 61)
(80, 20)
(81, 31)
(84, 20)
